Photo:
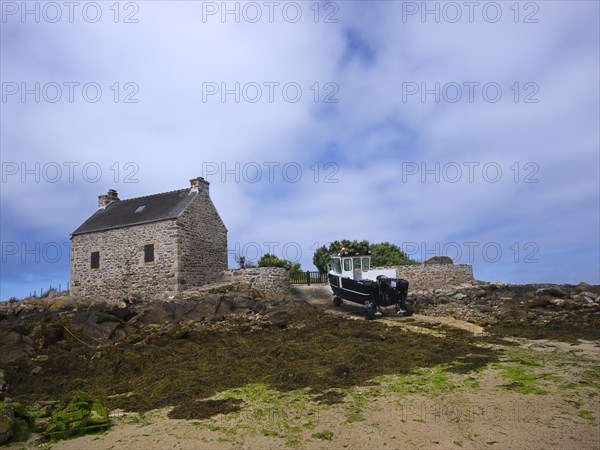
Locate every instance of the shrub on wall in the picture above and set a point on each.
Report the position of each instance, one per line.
(268, 260)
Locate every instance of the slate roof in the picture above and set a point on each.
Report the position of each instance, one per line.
(119, 214)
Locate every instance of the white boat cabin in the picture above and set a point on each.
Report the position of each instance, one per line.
(357, 266)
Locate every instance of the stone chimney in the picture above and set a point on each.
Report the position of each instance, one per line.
(105, 200)
(198, 184)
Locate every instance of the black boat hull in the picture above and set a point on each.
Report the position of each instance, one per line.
(383, 292)
(348, 289)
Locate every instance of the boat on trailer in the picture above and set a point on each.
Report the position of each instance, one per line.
(352, 279)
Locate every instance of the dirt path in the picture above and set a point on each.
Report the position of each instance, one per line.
(321, 296)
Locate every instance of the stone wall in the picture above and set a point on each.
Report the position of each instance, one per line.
(203, 241)
(423, 276)
(272, 281)
(435, 276)
(122, 268)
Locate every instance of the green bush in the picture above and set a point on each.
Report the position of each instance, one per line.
(383, 254)
(269, 260)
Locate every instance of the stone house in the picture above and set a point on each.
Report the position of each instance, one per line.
(156, 245)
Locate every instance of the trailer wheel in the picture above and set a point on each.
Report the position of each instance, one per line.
(370, 312)
(407, 309)
(337, 301)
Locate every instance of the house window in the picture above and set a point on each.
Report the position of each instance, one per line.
(149, 253)
(95, 260)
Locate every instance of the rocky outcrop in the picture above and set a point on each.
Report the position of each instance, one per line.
(439, 260)
(30, 326)
(491, 303)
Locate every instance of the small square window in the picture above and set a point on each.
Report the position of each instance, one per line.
(149, 253)
(95, 260)
(365, 264)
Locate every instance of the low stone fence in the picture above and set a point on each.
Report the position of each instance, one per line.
(435, 276)
(272, 281)
(275, 281)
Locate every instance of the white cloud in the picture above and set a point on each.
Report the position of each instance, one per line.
(171, 132)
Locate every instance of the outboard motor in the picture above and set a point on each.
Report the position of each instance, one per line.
(401, 288)
(393, 291)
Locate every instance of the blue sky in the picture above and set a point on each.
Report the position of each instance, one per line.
(472, 133)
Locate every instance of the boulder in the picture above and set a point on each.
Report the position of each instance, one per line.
(7, 422)
(590, 295)
(439, 260)
(14, 346)
(581, 299)
(62, 303)
(45, 409)
(98, 415)
(100, 333)
(204, 309)
(158, 312)
(21, 430)
(280, 319)
(122, 313)
(16, 421)
(46, 334)
(583, 286)
(244, 303)
(81, 415)
(552, 291)
(224, 307)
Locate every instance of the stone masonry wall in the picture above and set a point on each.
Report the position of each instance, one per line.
(189, 251)
(122, 268)
(435, 276)
(203, 241)
(272, 281)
